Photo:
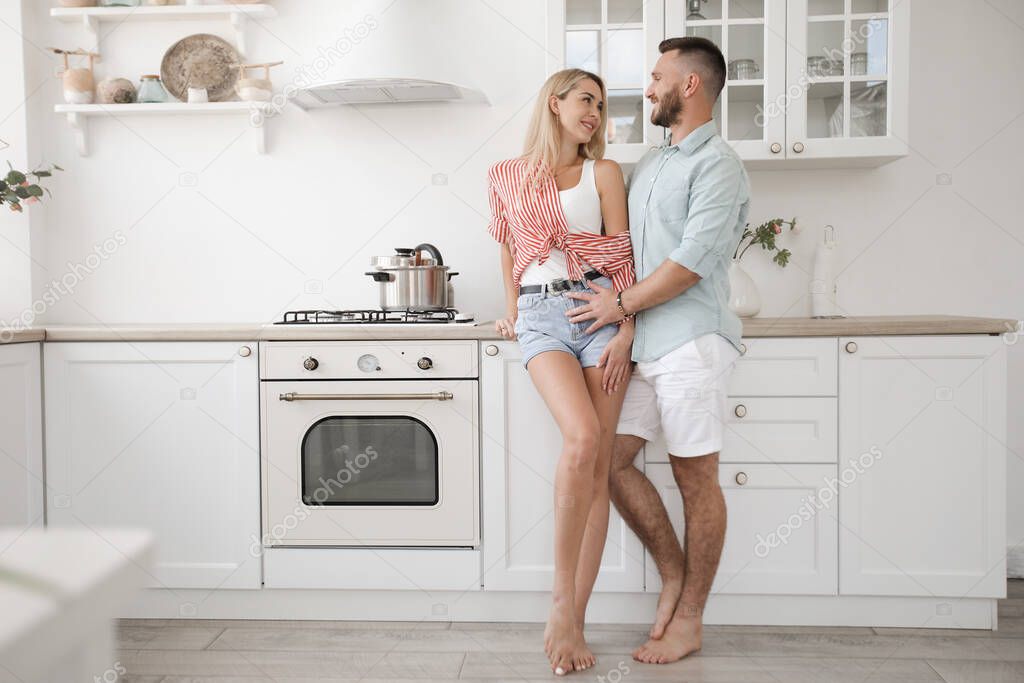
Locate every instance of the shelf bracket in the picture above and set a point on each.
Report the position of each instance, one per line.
(238, 23)
(80, 126)
(92, 28)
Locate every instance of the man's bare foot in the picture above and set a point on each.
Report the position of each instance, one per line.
(564, 644)
(671, 589)
(682, 637)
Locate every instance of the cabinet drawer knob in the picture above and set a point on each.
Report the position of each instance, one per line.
(743, 349)
(311, 364)
(245, 352)
(798, 147)
(741, 478)
(776, 148)
(491, 350)
(851, 347)
(740, 410)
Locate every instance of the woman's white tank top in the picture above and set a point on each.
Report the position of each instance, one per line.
(582, 207)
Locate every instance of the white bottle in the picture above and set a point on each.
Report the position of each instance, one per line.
(823, 279)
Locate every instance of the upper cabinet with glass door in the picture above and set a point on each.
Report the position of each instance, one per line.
(847, 73)
(751, 35)
(819, 83)
(618, 40)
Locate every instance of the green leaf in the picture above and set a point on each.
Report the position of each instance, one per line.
(42, 174)
(58, 167)
(35, 191)
(22, 192)
(15, 177)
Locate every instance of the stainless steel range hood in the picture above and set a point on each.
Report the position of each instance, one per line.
(384, 91)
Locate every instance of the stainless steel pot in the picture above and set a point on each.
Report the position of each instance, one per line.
(408, 282)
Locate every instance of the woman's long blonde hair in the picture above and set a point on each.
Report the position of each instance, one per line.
(544, 136)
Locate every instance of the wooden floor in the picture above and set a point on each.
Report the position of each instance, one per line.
(179, 651)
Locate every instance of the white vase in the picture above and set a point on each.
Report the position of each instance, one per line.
(744, 299)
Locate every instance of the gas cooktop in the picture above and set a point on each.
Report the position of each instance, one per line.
(448, 316)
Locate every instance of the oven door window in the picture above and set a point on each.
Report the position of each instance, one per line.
(369, 460)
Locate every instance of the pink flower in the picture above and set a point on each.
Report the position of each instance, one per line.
(32, 200)
(777, 228)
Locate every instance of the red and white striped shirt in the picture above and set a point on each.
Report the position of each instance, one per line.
(533, 221)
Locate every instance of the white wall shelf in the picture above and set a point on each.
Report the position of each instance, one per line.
(237, 15)
(78, 116)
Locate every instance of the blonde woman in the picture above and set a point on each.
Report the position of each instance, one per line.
(559, 211)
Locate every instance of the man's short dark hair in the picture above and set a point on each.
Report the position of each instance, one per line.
(706, 57)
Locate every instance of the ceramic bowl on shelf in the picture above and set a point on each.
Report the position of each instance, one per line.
(115, 91)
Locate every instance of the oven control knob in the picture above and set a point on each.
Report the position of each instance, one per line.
(424, 363)
(311, 364)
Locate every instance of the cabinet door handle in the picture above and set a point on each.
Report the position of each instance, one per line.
(491, 350)
(438, 396)
(851, 347)
(776, 148)
(740, 410)
(245, 352)
(743, 349)
(798, 147)
(741, 478)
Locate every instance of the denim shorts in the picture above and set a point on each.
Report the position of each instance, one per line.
(542, 326)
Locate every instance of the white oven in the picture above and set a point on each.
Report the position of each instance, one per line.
(369, 443)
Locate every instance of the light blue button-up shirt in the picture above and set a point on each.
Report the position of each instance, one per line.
(688, 202)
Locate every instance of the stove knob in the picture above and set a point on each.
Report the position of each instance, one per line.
(311, 364)
(424, 363)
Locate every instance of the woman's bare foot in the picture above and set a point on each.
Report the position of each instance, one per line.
(564, 644)
(671, 589)
(682, 637)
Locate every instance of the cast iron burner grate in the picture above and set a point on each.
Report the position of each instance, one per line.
(367, 316)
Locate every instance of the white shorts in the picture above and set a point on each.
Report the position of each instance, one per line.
(683, 393)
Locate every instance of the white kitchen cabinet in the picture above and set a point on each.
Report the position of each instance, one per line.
(780, 429)
(776, 540)
(925, 419)
(21, 436)
(163, 436)
(810, 82)
(520, 447)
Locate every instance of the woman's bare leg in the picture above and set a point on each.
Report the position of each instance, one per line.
(559, 379)
(607, 409)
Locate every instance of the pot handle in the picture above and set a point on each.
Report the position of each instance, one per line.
(433, 251)
(380, 276)
(451, 274)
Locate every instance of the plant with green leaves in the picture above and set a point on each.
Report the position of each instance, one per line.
(765, 235)
(15, 188)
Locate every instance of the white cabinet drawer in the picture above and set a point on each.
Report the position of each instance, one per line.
(779, 429)
(776, 541)
(786, 367)
(391, 359)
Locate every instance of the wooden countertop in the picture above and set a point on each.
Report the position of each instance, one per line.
(752, 327)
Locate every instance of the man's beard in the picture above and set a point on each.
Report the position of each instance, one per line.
(669, 109)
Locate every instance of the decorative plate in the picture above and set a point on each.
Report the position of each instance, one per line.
(200, 61)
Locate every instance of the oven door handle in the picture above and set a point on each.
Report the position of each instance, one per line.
(437, 396)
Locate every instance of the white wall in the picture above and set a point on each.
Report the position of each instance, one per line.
(15, 233)
(259, 235)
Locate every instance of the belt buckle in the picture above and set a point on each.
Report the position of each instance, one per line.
(559, 285)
